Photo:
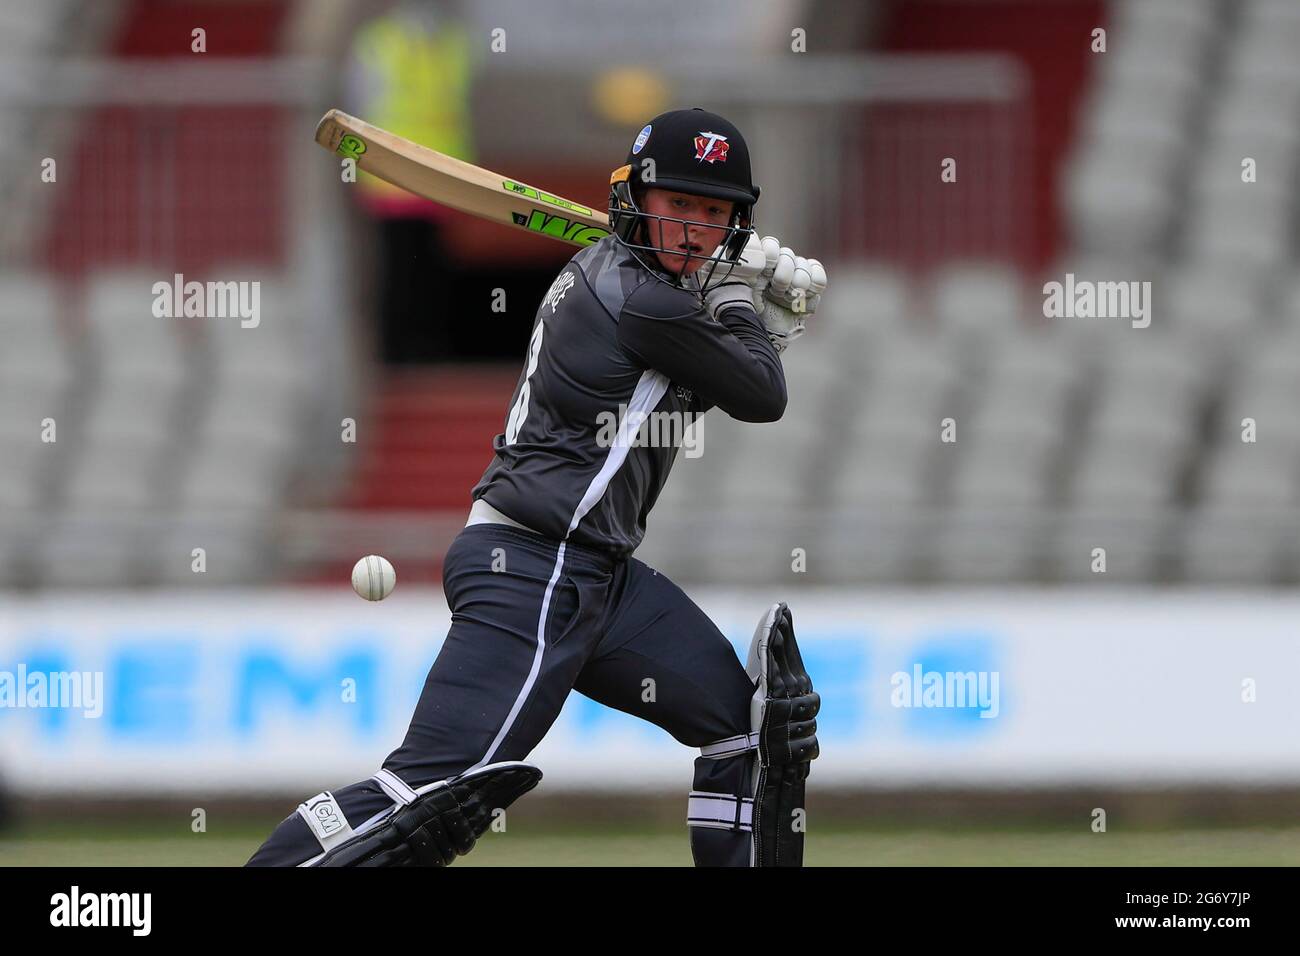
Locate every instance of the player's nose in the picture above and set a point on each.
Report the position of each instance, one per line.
(698, 233)
(704, 239)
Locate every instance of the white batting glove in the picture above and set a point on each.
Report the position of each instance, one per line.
(771, 247)
(790, 288)
(783, 326)
(796, 283)
(739, 286)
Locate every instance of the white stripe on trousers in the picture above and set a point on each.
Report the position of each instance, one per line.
(650, 388)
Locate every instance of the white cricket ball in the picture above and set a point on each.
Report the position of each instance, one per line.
(373, 577)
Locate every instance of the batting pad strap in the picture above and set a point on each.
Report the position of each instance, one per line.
(395, 787)
(730, 747)
(720, 811)
(325, 820)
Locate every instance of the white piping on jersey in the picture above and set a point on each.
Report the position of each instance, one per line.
(650, 388)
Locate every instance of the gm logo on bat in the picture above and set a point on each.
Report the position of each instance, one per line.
(351, 146)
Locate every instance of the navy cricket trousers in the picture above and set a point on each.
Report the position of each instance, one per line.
(533, 619)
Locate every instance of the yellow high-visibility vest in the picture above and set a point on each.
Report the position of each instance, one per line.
(422, 91)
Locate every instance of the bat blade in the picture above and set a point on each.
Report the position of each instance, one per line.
(457, 184)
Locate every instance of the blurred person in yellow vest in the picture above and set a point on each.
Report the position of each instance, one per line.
(409, 71)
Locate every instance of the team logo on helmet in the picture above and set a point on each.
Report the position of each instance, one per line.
(711, 147)
(641, 139)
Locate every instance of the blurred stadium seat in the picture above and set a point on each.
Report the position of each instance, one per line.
(1070, 433)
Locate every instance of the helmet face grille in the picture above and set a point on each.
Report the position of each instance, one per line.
(631, 227)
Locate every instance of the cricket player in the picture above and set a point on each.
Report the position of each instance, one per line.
(681, 309)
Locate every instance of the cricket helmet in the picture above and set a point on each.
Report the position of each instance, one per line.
(689, 151)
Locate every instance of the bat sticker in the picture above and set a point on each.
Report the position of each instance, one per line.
(558, 227)
(351, 146)
(539, 196)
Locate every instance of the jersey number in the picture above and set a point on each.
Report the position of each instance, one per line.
(520, 411)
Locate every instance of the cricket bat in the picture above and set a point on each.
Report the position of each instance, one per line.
(459, 185)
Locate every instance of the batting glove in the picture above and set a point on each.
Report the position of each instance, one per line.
(790, 288)
(741, 285)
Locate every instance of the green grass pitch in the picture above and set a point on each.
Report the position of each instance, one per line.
(230, 843)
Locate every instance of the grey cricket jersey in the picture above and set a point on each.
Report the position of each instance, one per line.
(611, 338)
